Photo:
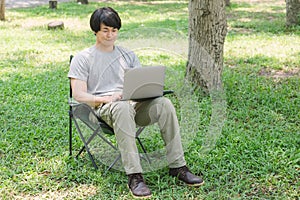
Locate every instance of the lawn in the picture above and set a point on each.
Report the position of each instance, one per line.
(257, 149)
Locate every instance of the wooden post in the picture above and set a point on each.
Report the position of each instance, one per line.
(2, 10)
(53, 4)
(83, 1)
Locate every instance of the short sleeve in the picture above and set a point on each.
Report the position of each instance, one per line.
(79, 67)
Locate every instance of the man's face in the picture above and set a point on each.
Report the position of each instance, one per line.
(107, 35)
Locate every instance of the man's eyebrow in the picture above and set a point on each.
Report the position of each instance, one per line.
(107, 28)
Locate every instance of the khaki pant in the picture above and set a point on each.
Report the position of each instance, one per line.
(124, 116)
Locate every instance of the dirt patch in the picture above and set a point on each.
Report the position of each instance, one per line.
(79, 192)
(284, 73)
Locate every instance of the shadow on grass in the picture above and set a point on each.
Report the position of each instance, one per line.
(248, 18)
(34, 139)
(257, 155)
(125, 9)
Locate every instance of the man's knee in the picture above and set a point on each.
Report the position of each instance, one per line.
(166, 104)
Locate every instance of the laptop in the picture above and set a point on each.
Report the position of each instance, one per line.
(143, 83)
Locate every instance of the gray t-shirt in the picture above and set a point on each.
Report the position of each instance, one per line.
(103, 71)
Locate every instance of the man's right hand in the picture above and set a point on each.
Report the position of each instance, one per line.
(116, 96)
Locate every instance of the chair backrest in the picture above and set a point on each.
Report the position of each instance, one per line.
(70, 93)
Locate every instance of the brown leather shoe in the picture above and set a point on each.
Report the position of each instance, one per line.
(137, 186)
(184, 174)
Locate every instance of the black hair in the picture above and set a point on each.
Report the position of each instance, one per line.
(107, 16)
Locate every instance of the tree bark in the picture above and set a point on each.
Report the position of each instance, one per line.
(207, 32)
(292, 12)
(227, 2)
(2, 10)
(53, 4)
(83, 1)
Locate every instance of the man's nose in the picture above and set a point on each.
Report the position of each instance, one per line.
(109, 34)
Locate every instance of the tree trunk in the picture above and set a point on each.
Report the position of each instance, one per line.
(292, 12)
(207, 32)
(2, 10)
(83, 1)
(227, 2)
(53, 4)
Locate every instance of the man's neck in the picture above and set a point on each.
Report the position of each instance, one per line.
(104, 48)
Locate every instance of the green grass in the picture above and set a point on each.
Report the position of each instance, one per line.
(257, 155)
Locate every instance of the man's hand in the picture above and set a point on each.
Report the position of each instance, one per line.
(112, 98)
(116, 96)
(79, 89)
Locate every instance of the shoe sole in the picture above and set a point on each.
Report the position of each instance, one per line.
(138, 197)
(195, 185)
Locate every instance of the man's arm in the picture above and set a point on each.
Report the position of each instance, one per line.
(79, 90)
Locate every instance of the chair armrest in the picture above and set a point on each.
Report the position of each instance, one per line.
(76, 104)
(104, 126)
(166, 92)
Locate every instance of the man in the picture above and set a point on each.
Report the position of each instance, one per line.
(97, 76)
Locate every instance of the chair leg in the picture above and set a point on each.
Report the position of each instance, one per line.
(113, 163)
(138, 132)
(108, 142)
(144, 149)
(92, 159)
(86, 144)
(70, 132)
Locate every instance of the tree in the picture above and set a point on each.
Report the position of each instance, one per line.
(207, 32)
(227, 2)
(292, 12)
(83, 1)
(2, 10)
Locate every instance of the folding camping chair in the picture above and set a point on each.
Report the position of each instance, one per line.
(80, 112)
(84, 113)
